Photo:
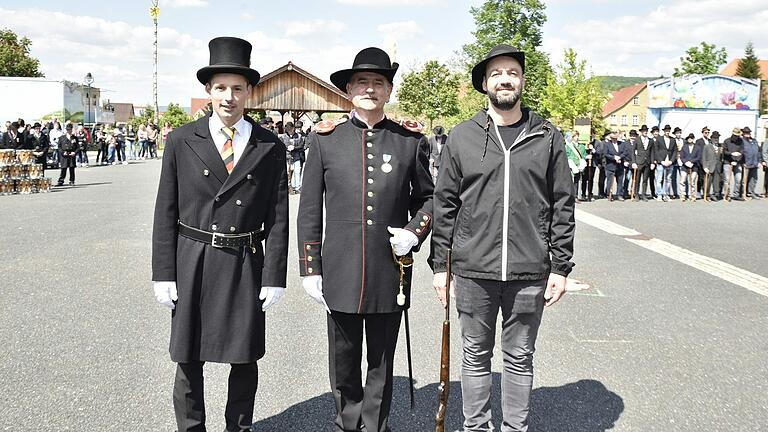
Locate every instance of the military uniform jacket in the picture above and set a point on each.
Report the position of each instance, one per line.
(369, 179)
(218, 316)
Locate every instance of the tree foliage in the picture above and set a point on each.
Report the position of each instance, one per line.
(175, 116)
(517, 23)
(703, 59)
(431, 92)
(572, 93)
(748, 66)
(15, 60)
(147, 116)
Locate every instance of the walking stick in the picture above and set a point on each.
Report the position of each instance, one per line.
(445, 353)
(744, 179)
(634, 182)
(691, 187)
(706, 186)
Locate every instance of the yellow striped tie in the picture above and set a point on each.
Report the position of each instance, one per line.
(227, 154)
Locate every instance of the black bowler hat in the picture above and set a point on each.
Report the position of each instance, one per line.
(633, 133)
(746, 130)
(478, 72)
(644, 128)
(666, 128)
(371, 59)
(690, 136)
(229, 55)
(715, 134)
(36, 125)
(654, 129)
(677, 129)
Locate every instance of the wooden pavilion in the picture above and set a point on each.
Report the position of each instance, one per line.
(291, 89)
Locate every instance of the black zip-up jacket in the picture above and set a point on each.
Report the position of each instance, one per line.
(524, 195)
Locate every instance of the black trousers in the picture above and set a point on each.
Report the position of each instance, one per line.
(63, 175)
(188, 397)
(601, 182)
(357, 406)
(587, 182)
(643, 178)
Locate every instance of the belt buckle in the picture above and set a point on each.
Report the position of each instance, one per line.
(213, 240)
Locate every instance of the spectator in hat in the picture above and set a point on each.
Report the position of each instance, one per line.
(764, 163)
(294, 142)
(712, 164)
(733, 148)
(664, 155)
(67, 152)
(752, 157)
(642, 162)
(690, 156)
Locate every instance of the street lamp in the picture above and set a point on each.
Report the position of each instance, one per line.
(88, 81)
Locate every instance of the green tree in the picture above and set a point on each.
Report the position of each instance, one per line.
(431, 92)
(571, 93)
(147, 116)
(175, 116)
(703, 59)
(517, 23)
(15, 60)
(748, 66)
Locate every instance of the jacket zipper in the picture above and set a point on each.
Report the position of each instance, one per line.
(505, 218)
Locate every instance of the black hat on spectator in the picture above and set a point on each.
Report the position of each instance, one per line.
(503, 50)
(69, 126)
(644, 128)
(633, 133)
(746, 130)
(677, 129)
(229, 55)
(36, 125)
(715, 134)
(690, 136)
(704, 129)
(654, 129)
(289, 125)
(666, 128)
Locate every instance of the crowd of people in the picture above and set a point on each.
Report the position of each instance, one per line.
(668, 165)
(66, 146)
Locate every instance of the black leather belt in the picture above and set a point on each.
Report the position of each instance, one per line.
(219, 240)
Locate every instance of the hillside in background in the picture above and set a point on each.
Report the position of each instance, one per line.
(612, 83)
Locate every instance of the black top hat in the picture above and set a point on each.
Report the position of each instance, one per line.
(644, 128)
(229, 55)
(478, 72)
(655, 129)
(371, 59)
(677, 129)
(746, 130)
(667, 127)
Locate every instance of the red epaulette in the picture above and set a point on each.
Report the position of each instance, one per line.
(412, 126)
(327, 126)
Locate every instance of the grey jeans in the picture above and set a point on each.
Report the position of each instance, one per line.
(478, 302)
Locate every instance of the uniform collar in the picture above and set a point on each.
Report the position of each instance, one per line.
(363, 125)
(216, 124)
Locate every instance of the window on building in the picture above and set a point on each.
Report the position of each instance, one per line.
(636, 100)
(623, 119)
(613, 119)
(635, 120)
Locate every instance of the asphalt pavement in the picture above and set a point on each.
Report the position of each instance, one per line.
(654, 345)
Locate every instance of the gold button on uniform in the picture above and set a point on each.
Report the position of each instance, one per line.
(309, 247)
(238, 202)
(369, 222)
(369, 208)
(214, 227)
(418, 230)
(370, 181)
(249, 177)
(205, 172)
(370, 193)
(310, 270)
(370, 169)
(370, 133)
(369, 145)
(309, 258)
(426, 218)
(370, 156)
(232, 229)
(423, 224)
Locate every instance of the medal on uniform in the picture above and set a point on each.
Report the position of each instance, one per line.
(386, 167)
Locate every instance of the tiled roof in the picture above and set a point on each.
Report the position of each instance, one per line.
(621, 97)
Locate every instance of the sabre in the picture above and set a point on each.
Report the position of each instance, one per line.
(445, 353)
(403, 262)
(706, 186)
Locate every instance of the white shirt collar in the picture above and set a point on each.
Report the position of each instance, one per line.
(215, 124)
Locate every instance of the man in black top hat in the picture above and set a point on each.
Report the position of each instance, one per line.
(733, 159)
(642, 162)
(690, 156)
(38, 142)
(372, 176)
(504, 203)
(436, 143)
(223, 191)
(67, 152)
(664, 155)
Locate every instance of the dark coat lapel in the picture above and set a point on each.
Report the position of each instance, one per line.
(254, 151)
(202, 144)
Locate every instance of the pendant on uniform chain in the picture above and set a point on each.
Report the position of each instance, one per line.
(386, 167)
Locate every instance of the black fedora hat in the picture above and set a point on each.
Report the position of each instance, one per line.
(677, 129)
(371, 59)
(667, 127)
(746, 130)
(644, 128)
(478, 72)
(655, 129)
(229, 55)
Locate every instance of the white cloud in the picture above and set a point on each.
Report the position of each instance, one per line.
(400, 30)
(183, 3)
(313, 27)
(652, 43)
(387, 3)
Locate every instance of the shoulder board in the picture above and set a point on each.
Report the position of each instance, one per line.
(327, 126)
(411, 126)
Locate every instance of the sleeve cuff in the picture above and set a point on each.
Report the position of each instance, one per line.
(563, 269)
(310, 262)
(420, 225)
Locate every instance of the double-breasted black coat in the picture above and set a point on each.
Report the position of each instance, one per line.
(368, 179)
(218, 315)
(67, 151)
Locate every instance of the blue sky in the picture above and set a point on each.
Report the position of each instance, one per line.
(113, 40)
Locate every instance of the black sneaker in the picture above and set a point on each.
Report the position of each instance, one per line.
(71, 183)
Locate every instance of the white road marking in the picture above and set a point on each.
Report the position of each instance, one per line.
(727, 272)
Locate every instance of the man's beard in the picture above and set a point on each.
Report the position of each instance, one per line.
(508, 102)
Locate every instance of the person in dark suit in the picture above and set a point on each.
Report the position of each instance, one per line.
(598, 160)
(614, 158)
(436, 143)
(712, 164)
(690, 156)
(371, 175)
(664, 155)
(67, 153)
(12, 138)
(223, 191)
(38, 142)
(642, 162)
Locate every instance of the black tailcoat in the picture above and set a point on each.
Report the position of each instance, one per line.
(350, 167)
(218, 316)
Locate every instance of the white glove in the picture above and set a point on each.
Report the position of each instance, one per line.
(402, 240)
(313, 286)
(270, 295)
(165, 293)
